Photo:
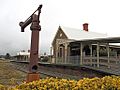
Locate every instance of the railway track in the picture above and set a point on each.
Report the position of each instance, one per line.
(43, 73)
(51, 70)
(23, 69)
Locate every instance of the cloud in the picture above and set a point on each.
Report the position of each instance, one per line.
(102, 16)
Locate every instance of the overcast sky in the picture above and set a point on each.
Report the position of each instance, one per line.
(103, 16)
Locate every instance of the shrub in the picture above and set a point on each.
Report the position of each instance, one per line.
(105, 83)
(3, 87)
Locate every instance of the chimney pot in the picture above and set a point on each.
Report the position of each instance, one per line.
(85, 27)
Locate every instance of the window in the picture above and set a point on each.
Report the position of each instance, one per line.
(60, 34)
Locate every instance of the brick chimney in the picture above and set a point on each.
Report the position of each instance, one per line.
(85, 27)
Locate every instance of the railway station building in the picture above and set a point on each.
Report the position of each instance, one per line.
(22, 55)
(83, 47)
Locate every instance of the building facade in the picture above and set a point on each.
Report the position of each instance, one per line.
(22, 56)
(80, 47)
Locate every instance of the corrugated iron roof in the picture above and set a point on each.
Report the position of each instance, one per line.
(78, 34)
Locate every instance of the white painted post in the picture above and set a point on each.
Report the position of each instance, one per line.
(108, 53)
(68, 54)
(81, 54)
(25, 58)
(56, 52)
(98, 62)
(65, 52)
(91, 54)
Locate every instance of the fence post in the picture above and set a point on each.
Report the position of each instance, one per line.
(108, 53)
(91, 54)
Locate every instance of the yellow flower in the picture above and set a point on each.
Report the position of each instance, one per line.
(105, 83)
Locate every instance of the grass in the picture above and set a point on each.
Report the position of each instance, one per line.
(9, 75)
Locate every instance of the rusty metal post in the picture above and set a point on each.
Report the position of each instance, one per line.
(33, 65)
(35, 28)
